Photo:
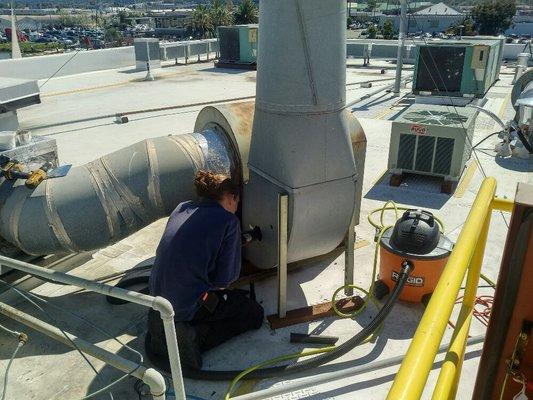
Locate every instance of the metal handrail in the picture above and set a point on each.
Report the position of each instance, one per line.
(157, 303)
(467, 255)
(154, 380)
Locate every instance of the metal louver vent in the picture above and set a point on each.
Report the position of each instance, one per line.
(406, 151)
(449, 60)
(433, 117)
(443, 155)
(229, 44)
(424, 153)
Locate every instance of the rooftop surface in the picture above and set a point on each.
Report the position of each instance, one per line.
(78, 111)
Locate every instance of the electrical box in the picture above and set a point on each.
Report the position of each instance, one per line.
(432, 140)
(147, 53)
(507, 357)
(465, 68)
(238, 46)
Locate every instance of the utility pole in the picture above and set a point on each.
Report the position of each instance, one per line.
(15, 48)
(401, 45)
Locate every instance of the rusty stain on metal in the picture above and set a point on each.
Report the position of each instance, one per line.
(244, 113)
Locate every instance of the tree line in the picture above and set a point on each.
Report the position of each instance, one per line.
(205, 20)
(488, 17)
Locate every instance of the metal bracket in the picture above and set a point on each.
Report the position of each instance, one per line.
(283, 212)
(349, 260)
(514, 364)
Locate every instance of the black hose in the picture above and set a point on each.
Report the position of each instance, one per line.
(339, 351)
(126, 284)
(485, 138)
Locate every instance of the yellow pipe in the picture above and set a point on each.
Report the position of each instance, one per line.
(412, 376)
(450, 372)
(502, 204)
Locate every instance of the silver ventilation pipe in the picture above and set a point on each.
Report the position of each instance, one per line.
(301, 134)
(112, 197)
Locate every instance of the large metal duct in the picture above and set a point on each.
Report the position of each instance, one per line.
(114, 196)
(110, 198)
(301, 133)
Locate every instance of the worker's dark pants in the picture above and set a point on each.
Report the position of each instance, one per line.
(235, 313)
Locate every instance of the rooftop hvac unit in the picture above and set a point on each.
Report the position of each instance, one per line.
(431, 140)
(238, 46)
(458, 69)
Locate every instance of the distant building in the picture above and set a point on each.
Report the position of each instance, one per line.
(140, 20)
(171, 23)
(29, 11)
(28, 23)
(5, 22)
(385, 8)
(435, 18)
(23, 23)
(522, 22)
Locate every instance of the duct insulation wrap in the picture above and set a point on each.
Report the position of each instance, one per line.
(112, 197)
(301, 133)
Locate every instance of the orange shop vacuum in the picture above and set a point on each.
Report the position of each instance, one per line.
(416, 238)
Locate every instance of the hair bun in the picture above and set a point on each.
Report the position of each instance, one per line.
(212, 186)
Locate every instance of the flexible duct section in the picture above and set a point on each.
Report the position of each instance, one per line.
(112, 197)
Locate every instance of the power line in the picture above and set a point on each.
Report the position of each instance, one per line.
(6, 374)
(60, 68)
(26, 295)
(28, 299)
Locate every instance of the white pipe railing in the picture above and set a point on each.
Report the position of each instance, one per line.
(340, 373)
(149, 376)
(157, 303)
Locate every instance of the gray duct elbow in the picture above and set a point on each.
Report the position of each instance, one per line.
(110, 198)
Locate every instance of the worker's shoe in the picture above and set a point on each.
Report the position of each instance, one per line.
(188, 345)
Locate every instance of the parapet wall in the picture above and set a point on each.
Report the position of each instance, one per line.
(43, 67)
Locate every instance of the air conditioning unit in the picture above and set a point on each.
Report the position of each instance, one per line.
(238, 46)
(465, 68)
(431, 140)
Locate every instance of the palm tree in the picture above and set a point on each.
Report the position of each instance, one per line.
(220, 16)
(246, 13)
(372, 5)
(200, 23)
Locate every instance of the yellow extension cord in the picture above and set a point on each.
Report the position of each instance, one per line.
(381, 229)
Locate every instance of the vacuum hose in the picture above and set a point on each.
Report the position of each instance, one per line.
(331, 354)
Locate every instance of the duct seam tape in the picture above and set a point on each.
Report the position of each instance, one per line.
(154, 185)
(7, 140)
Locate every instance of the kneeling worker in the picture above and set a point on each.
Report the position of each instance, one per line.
(198, 257)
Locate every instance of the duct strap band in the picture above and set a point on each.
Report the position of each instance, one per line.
(19, 198)
(189, 145)
(116, 198)
(131, 201)
(54, 220)
(154, 188)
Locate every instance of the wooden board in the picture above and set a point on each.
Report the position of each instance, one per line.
(312, 313)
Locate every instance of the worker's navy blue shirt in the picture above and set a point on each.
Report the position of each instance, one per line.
(200, 251)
